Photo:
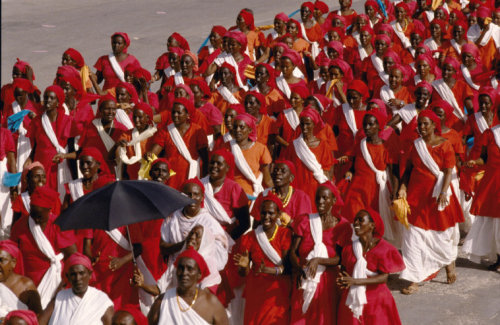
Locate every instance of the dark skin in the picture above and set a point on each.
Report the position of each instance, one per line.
(297, 104)
(89, 167)
(79, 277)
(234, 47)
(122, 317)
(206, 304)
(35, 177)
(217, 171)
(364, 228)
(355, 100)
(160, 172)
(20, 285)
(325, 200)
(287, 68)
(444, 129)
(422, 97)
(307, 126)
(69, 94)
(118, 46)
(449, 78)
(486, 109)
(261, 78)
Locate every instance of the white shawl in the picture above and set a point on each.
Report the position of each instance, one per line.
(227, 95)
(384, 196)
(493, 32)
(447, 94)
(309, 159)
(362, 52)
(71, 309)
(106, 139)
(9, 301)
(244, 168)
(76, 189)
(496, 134)
(401, 35)
(456, 46)
(66, 109)
(429, 162)
(387, 94)
(194, 165)
(292, 117)
(350, 118)
(356, 298)
(23, 142)
(169, 72)
(309, 285)
(468, 77)
(283, 86)
(494, 82)
(178, 79)
(123, 118)
(212, 205)
(63, 172)
(170, 312)
(137, 138)
(116, 67)
(407, 113)
(230, 59)
(266, 246)
(25, 196)
(52, 277)
(379, 66)
(482, 125)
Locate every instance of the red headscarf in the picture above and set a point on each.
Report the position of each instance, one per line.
(145, 108)
(21, 65)
(161, 160)
(404, 6)
(240, 38)
(378, 232)
(340, 31)
(301, 90)
(270, 196)
(27, 315)
(200, 261)
(76, 56)
(381, 29)
(344, 67)
(442, 24)
(380, 115)
(338, 198)
(181, 40)
(360, 87)
(490, 92)
(105, 98)
(309, 5)
(228, 158)
(433, 117)
(239, 108)
(232, 69)
(472, 49)
(321, 6)
(251, 121)
(260, 98)
(373, 4)
(322, 101)
(142, 73)
(282, 16)
(455, 64)
(483, 12)
(248, 18)
(136, 313)
(336, 16)
(384, 38)
(187, 89)
(125, 37)
(219, 30)
(188, 105)
(59, 93)
(176, 50)
(23, 84)
(78, 259)
(299, 30)
(97, 155)
(134, 98)
(314, 116)
(289, 164)
(70, 75)
(293, 56)
(203, 87)
(396, 58)
(464, 25)
(338, 47)
(44, 197)
(426, 85)
(447, 108)
(24, 180)
(11, 247)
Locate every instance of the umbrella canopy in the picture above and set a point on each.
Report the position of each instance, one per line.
(122, 203)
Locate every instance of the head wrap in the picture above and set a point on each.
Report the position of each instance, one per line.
(260, 98)
(11, 247)
(301, 90)
(426, 85)
(160, 160)
(380, 106)
(344, 67)
(194, 181)
(136, 313)
(282, 16)
(187, 89)
(281, 44)
(27, 315)
(442, 25)
(125, 37)
(404, 6)
(483, 11)
(203, 87)
(309, 5)
(473, 50)
(447, 108)
(78, 259)
(142, 73)
(453, 62)
(272, 74)
(232, 69)
(297, 23)
(145, 108)
(76, 56)
(340, 31)
(228, 158)
(270, 196)
(433, 117)
(396, 58)
(321, 6)
(24, 84)
(338, 47)
(24, 176)
(322, 101)
(176, 50)
(97, 155)
(188, 105)
(404, 71)
(202, 265)
(338, 17)
(181, 40)
(490, 92)
(314, 116)
(384, 29)
(378, 232)
(251, 122)
(464, 25)
(59, 93)
(248, 18)
(383, 37)
(293, 56)
(72, 76)
(134, 98)
(289, 164)
(360, 87)
(219, 30)
(380, 116)
(329, 185)
(373, 4)
(240, 38)
(239, 108)
(21, 65)
(194, 58)
(44, 197)
(104, 99)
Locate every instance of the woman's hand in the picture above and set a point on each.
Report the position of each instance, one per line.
(137, 278)
(345, 280)
(242, 260)
(442, 199)
(122, 143)
(116, 263)
(58, 158)
(339, 85)
(470, 163)
(312, 267)
(342, 160)
(348, 176)
(402, 192)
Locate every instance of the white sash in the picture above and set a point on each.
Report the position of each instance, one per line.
(379, 66)
(494, 82)
(481, 122)
(350, 118)
(23, 142)
(212, 205)
(447, 94)
(309, 285)
(314, 45)
(407, 113)
(319, 82)
(227, 95)
(431, 43)
(9, 301)
(244, 168)
(194, 165)
(292, 117)
(63, 172)
(169, 72)
(52, 277)
(283, 86)
(76, 189)
(178, 79)
(356, 298)
(496, 134)
(25, 196)
(137, 138)
(399, 32)
(429, 162)
(116, 67)
(430, 15)
(494, 31)
(468, 77)
(387, 94)
(456, 46)
(106, 139)
(229, 59)
(123, 118)
(266, 246)
(170, 312)
(362, 52)
(384, 196)
(309, 159)
(417, 79)
(66, 109)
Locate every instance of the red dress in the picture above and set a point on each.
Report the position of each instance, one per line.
(299, 204)
(267, 296)
(380, 307)
(110, 78)
(462, 91)
(231, 196)
(35, 262)
(424, 210)
(323, 307)
(486, 202)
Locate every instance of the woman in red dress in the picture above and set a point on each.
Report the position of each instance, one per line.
(314, 256)
(267, 290)
(368, 261)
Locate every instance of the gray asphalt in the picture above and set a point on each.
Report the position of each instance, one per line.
(40, 31)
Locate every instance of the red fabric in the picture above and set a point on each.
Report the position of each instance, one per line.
(44, 197)
(76, 56)
(299, 204)
(231, 196)
(6, 143)
(27, 315)
(267, 296)
(380, 307)
(345, 138)
(104, 66)
(35, 262)
(462, 91)
(125, 37)
(77, 259)
(195, 139)
(424, 213)
(190, 252)
(11, 247)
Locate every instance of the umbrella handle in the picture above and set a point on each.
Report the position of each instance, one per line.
(131, 246)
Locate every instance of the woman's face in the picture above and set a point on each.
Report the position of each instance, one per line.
(415, 39)
(354, 99)
(324, 73)
(388, 63)
(287, 66)
(485, 104)
(194, 237)
(324, 200)
(307, 126)
(17, 73)
(380, 47)
(187, 65)
(68, 60)
(363, 224)
(365, 38)
(336, 73)
(425, 126)
(400, 14)
(468, 59)
(215, 40)
(332, 53)
(448, 71)
(118, 44)
(281, 175)
(333, 35)
(252, 105)
(296, 100)
(197, 93)
(69, 91)
(269, 214)
(227, 77)
(174, 61)
(217, 168)
(436, 31)
(277, 52)
(395, 78)
(370, 125)
(180, 93)
(439, 14)
(229, 118)
(234, 46)
(241, 130)
(292, 28)
(141, 119)
(36, 178)
(458, 33)
(122, 95)
(279, 26)
(440, 113)
(337, 22)
(108, 111)
(261, 75)
(180, 114)
(7, 265)
(345, 3)
(422, 96)
(360, 22)
(305, 13)
(423, 68)
(50, 101)
(240, 22)
(88, 166)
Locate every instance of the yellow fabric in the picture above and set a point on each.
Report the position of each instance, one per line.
(250, 72)
(435, 4)
(264, 27)
(329, 92)
(84, 74)
(401, 209)
(285, 219)
(146, 167)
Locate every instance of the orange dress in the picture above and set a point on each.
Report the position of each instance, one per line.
(218, 101)
(264, 128)
(462, 91)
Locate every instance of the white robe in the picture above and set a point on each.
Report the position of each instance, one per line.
(171, 314)
(9, 301)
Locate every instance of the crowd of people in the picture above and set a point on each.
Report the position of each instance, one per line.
(322, 153)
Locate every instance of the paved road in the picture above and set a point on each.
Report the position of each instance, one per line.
(39, 31)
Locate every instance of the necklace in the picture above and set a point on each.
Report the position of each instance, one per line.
(274, 233)
(192, 302)
(287, 197)
(402, 29)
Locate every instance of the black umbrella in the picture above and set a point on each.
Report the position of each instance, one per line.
(122, 203)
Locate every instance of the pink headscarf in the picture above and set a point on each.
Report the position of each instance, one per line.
(345, 67)
(59, 93)
(27, 315)
(251, 121)
(472, 49)
(282, 16)
(76, 56)
(293, 56)
(11, 247)
(315, 117)
(338, 47)
(134, 98)
(433, 117)
(426, 85)
(21, 65)
(125, 37)
(240, 38)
